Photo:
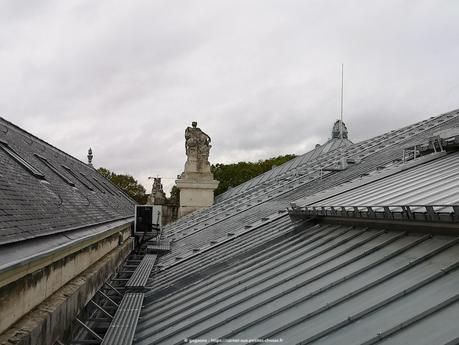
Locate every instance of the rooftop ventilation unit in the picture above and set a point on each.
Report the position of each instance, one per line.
(147, 218)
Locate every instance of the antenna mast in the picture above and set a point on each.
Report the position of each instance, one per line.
(342, 88)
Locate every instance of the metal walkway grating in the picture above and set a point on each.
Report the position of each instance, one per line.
(141, 274)
(122, 328)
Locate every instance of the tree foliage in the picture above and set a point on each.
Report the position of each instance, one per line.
(231, 175)
(127, 183)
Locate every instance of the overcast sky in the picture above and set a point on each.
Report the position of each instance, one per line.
(261, 77)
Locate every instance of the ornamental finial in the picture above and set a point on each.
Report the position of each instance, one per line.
(90, 157)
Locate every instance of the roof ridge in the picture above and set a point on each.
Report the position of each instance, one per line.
(24, 132)
(223, 197)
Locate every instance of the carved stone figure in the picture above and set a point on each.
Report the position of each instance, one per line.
(197, 143)
(196, 183)
(197, 147)
(157, 195)
(157, 186)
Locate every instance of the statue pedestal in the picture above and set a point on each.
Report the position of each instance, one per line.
(196, 191)
(196, 184)
(201, 167)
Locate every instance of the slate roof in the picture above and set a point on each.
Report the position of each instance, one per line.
(44, 191)
(243, 269)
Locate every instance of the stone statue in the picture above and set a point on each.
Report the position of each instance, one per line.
(157, 185)
(157, 195)
(196, 183)
(197, 145)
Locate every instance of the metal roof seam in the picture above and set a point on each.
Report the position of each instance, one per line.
(373, 307)
(410, 322)
(222, 310)
(280, 263)
(336, 282)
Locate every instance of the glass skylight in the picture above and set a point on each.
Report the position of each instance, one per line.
(57, 172)
(26, 165)
(70, 171)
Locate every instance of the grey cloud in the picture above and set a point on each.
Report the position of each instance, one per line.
(261, 77)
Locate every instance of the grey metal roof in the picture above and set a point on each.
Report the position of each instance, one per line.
(60, 194)
(435, 182)
(298, 164)
(195, 232)
(232, 248)
(242, 270)
(325, 284)
(374, 152)
(330, 145)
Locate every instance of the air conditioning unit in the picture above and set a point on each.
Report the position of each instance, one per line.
(147, 218)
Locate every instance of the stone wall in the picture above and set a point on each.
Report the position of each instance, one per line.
(169, 206)
(169, 211)
(22, 295)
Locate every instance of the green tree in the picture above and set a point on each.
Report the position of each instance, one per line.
(127, 183)
(232, 175)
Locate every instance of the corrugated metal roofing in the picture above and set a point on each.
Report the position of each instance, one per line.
(330, 145)
(320, 286)
(233, 216)
(433, 183)
(296, 165)
(242, 270)
(302, 181)
(233, 247)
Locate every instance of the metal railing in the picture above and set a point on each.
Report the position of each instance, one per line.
(442, 213)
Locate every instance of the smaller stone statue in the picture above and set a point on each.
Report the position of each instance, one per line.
(157, 185)
(157, 195)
